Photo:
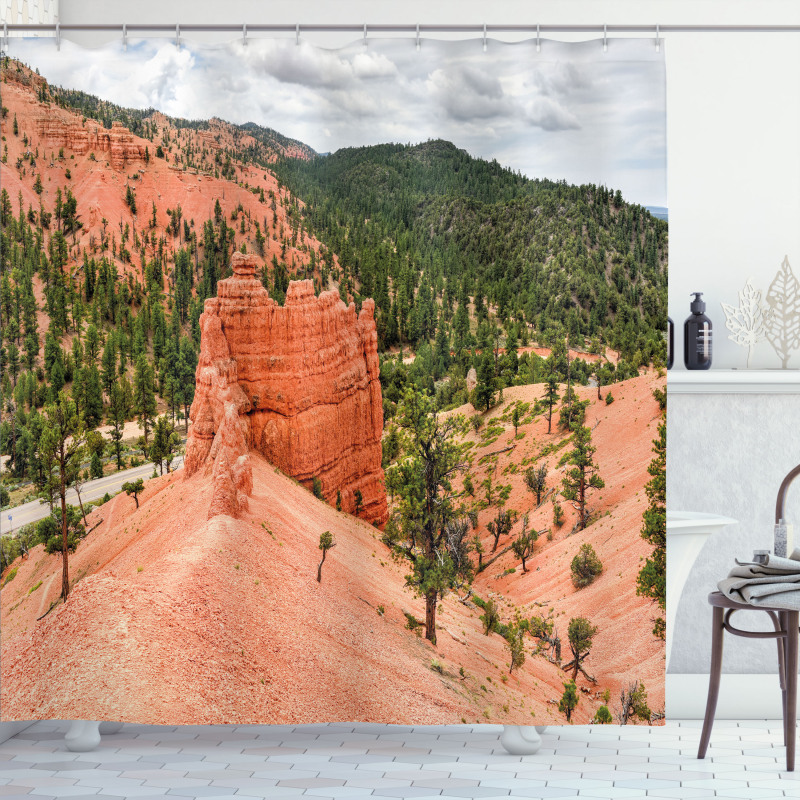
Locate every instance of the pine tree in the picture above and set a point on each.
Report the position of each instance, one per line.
(56, 378)
(501, 525)
(524, 543)
(485, 388)
(441, 359)
(109, 365)
(130, 199)
(62, 448)
(651, 581)
(569, 700)
(144, 395)
(581, 634)
(358, 499)
(93, 398)
(426, 512)
(516, 416)
(583, 476)
(536, 480)
(550, 397)
(326, 542)
(602, 716)
(515, 639)
(134, 488)
(573, 411)
(585, 566)
(96, 467)
(116, 418)
(165, 440)
(184, 387)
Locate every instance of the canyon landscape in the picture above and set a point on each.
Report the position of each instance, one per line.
(419, 401)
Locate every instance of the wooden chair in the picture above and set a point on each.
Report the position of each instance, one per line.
(785, 624)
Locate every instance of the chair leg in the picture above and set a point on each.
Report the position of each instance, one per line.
(790, 717)
(782, 625)
(717, 632)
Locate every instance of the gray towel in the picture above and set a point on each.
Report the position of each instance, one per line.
(775, 584)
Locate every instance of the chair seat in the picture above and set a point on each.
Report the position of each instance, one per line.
(719, 600)
(785, 633)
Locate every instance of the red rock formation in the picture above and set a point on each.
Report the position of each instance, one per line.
(63, 130)
(301, 380)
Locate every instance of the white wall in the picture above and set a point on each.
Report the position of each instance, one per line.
(727, 455)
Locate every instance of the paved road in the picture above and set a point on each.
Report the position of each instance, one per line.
(92, 490)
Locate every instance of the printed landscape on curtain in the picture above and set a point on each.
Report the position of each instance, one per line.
(333, 382)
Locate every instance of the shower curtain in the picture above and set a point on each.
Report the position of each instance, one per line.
(333, 382)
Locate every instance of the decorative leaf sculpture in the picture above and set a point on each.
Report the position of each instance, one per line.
(783, 325)
(747, 323)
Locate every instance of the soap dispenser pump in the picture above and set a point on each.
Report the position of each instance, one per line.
(697, 336)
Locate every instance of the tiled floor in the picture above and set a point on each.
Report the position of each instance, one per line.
(351, 761)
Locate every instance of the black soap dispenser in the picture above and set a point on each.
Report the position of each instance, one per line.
(697, 336)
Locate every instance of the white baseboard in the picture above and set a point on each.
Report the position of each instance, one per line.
(754, 696)
(9, 729)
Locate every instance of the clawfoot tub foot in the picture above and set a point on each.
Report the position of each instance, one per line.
(82, 736)
(521, 740)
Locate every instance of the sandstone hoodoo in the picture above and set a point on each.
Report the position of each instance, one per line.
(297, 383)
(63, 130)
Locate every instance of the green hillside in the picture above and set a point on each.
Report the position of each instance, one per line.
(424, 226)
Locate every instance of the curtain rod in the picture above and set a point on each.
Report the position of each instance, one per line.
(58, 28)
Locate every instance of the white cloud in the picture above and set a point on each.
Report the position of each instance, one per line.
(373, 65)
(162, 78)
(570, 113)
(546, 113)
(561, 78)
(467, 93)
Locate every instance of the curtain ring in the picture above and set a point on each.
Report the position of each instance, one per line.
(538, 40)
(244, 34)
(418, 42)
(484, 38)
(297, 34)
(365, 34)
(177, 36)
(605, 38)
(658, 40)
(58, 36)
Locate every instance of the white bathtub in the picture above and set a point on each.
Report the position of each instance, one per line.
(687, 532)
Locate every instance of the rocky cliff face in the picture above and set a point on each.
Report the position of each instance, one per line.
(298, 384)
(55, 131)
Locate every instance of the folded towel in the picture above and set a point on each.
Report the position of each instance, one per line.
(774, 584)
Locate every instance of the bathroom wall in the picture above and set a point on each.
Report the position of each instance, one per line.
(734, 176)
(727, 454)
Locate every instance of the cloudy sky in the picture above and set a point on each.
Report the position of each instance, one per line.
(570, 112)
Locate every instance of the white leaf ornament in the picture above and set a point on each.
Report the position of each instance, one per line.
(783, 325)
(747, 323)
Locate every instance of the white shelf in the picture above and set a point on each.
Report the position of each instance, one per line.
(734, 381)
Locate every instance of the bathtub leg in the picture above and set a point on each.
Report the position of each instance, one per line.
(110, 727)
(82, 736)
(521, 740)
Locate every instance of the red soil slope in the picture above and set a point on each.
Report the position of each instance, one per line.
(175, 618)
(624, 648)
